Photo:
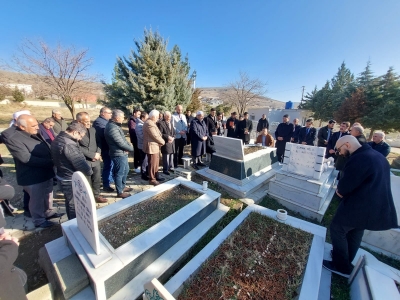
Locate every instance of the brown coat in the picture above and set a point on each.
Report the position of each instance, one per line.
(269, 140)
(152, 139)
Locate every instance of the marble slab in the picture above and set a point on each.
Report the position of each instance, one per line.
(85, 208)
(310, 286)
(304, 160)
(242, 169)
(307, 184)
(228, 147)
(183, 173)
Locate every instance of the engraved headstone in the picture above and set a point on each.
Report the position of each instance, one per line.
(228, 147)
(304, 160)
(155, 290)
(85, 210)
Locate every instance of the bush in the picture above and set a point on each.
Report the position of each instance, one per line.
(18, 96)
(4, 92)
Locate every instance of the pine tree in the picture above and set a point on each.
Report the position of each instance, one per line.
(342, 85)
(195, 103)
(151, 78)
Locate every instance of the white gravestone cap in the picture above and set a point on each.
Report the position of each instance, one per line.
(85, 209)
(304, 160)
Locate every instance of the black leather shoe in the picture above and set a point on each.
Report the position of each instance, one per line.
(145, 177)
(201, 164)
(108, 189)
(166, 173)
(160, 179)
(195, 166)
(56, 215)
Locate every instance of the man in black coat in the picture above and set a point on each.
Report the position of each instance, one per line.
(367, 202)
(231, 126)
(91, 151)
(358, 132)
(262, 123)
(168, 149)
(244, 128)
(46, 130)
(199, 135)
(34, 166)
(331, 146)
(68, 158)
(211, 122)
(296, 131)
(325, 133)
(283, 134)
(307, 134)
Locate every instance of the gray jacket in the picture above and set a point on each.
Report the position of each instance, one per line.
(180, 124)
(116, 139)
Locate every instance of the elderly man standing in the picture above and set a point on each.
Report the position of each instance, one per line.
(59, 123)
(152, 141)
(68, 159)
(367, 202)
(34, 166)
(46, 130)
(100, 124)
(283, 134)
(378, 143)
(91, 151)
(168, 149)
(358, 132)
(199, 135)
(179, 122)
(119, 150)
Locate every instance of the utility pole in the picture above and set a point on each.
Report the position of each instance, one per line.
(302, 94)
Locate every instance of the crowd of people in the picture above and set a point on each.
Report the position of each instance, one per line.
(48, 153)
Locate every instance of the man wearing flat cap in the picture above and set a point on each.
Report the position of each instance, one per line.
(283, 134)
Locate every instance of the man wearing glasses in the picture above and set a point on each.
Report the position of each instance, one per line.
(180, 124)
(366, 202)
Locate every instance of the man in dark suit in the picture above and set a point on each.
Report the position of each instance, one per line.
(283, 134)
(378, 143)
(331, 146)
(296, 130)
(367, 202)
(231, 126)
(325, 133)
(244, 128)
(307, 134)
(91, 151)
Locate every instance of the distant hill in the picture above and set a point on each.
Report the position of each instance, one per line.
(217, 92)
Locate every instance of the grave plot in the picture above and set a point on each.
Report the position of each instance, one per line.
(305, 182)
(241, 170)
(117, 265)
(255, 257)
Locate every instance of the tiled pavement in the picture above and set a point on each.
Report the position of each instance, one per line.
(19, 225)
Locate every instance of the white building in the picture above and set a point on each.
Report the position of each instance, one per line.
(25, 88)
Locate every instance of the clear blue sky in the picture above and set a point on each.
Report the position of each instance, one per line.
(286, 43)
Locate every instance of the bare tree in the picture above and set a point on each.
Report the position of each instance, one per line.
(242, 92)
(63, 70)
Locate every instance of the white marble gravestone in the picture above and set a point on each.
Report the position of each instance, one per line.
(155, 290)
(85, 209)
(229, 147)
(304, 160)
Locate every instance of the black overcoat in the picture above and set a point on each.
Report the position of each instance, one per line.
(367, 201)
(168, 148)
(198, 129)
